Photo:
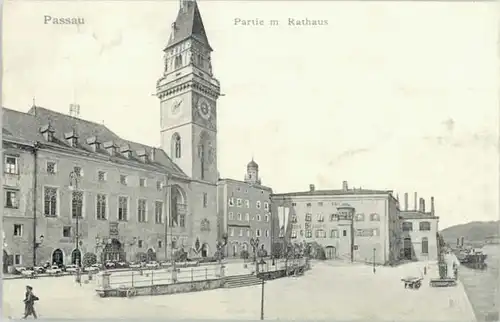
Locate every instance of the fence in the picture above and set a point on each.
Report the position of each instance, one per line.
(162, 276)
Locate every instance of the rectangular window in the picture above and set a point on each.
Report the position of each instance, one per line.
(308, 204)
(158, 185)
(51, 167)
(123, 179)
(142, 182)
(101, 176)
(17, 259)
(308, 217)
(238, 202)
(231, 202)
(344, 233)
(309, 233)
(67, 231)
(160, 244)
(141, 210)
(101, 207)
(257, 233)
(158, 212)
(18, 230)
(321, 218)
(122, 208)
(50, 201)
(241, 232)
(247, 203)
(247, 217)
(11, 165)
(294, 219)
(139, 243)
(11, 200)
(334, 233)
(407, 226)
(294, 234)
(266, 206)
(258, 204)
(249, 233)
(425, 226)
(231, 232)
(76, 204)
(230, 216)
(294, 204)
(205, 200)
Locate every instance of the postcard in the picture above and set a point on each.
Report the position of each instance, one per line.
(250, 160)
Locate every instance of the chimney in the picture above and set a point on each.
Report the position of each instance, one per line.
(406, 201)
(415, 202)
(345, 187)
(311, 187)
(432, 206)
(458, 241)
(152, 155)
(423, 205)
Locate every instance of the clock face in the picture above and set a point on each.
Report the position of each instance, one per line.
(176, 108)
(204, 108)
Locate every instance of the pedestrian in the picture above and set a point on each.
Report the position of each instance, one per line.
(29, 303)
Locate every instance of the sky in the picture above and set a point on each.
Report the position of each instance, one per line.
(388, 95)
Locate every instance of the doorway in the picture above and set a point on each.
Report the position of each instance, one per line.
(151, 255)
(6, 262)
(204, 250)
(407, 248)
(331, 252)
(76, 257)
(58, 257)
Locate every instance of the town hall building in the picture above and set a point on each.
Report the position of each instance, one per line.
(73, 186)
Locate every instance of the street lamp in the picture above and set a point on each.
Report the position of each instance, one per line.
(374, 250)
(254, 242)
(76, 197)
(219, 245)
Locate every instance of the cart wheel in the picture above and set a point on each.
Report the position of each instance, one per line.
(131, 292)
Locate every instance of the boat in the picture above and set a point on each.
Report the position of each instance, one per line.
(471, 257)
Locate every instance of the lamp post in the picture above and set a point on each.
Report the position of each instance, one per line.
(374, 269)
(272, 230)
(254, 242)
(262, 263)
(77, 197)
(219, 245)
(37, 244)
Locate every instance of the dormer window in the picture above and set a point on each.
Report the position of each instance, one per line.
(71, 138)
(94, 143)
(143, 156)
(47, 132)
(110, 147)
(126, 151)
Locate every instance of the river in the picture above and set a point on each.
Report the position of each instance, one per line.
(482, 285)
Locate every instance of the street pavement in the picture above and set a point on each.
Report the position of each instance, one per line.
(331, 290)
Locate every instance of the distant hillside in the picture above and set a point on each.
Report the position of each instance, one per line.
(475, 231)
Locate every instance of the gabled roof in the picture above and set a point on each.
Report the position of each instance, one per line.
(26, 126)
(338, 192)
(188, 25)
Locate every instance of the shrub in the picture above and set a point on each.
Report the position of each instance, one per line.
(180, 255)
(89, 259)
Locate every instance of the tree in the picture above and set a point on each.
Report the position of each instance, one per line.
(180, 255)
(317, 251)
(89, 259)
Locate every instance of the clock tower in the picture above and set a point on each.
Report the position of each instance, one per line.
(188, 95)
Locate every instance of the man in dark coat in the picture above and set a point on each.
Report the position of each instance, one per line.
(29, 302)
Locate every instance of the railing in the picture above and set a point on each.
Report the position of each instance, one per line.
(162, 276)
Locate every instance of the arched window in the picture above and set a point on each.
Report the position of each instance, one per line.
(425, 245)
(176, 146)
(374, 217)
(425, 226)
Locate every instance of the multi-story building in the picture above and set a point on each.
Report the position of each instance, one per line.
(84, 189)
(418, 231)
(318, 215)
(244, 207)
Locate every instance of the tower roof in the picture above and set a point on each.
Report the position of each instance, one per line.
(252, 164)
(188, 24)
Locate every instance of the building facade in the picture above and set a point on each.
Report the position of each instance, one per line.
(72, 186)
(319, 216)
(419, 231)
(245, 209)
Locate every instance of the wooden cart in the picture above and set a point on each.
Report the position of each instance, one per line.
(412, 282)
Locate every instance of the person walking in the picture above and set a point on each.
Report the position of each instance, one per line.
(29, 303)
